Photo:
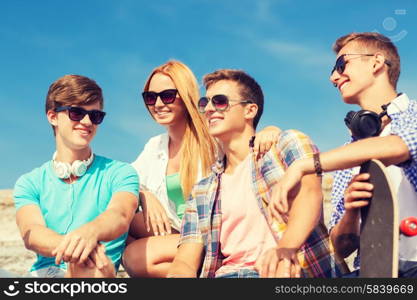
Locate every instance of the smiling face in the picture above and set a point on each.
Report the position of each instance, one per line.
(358, 75)
(74, 135)
(166, 114)
(233, 119)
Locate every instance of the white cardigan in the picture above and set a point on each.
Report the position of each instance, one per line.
(151, 166)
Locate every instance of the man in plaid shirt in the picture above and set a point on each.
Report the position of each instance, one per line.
(226, 231)
(366, 74)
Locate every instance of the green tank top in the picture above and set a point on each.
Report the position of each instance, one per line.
(174, 191)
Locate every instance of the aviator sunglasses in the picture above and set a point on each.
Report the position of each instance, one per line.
(220, 103)
(167, 96)
(76, 113)
(340, 64)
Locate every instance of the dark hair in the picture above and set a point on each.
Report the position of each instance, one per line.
(376, 42)
(249, 88)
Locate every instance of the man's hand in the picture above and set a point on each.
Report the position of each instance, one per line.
(77, 245)
(90, 268)
(278, 262)
(357, 190)
(102, 262)
(265, 139)
(154, 214)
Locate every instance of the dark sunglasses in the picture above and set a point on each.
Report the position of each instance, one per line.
(167, 96)
(220, 103)
(76, 113)
(340, 64)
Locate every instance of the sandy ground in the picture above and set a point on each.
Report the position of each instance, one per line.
(15, 258)
(13, 255)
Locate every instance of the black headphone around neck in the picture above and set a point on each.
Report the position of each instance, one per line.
(365, 123)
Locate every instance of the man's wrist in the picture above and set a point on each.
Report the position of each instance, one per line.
(93, 230)
(305, 166)
(317, 164)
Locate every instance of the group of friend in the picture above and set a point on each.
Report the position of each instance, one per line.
(212, 197)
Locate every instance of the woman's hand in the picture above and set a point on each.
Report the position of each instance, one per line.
(154, 214)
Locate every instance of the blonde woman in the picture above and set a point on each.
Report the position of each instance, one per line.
(168, 167)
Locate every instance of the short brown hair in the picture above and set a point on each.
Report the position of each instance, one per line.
(376, 42)
(73, 89)
(249, 88)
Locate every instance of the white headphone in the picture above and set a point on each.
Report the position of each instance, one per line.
(78, 168)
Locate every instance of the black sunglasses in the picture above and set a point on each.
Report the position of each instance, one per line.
(220, 103)
(167, 96)
(340, 64)
(76, 113)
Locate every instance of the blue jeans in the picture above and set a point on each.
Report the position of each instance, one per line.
(243, 273)
(407, 269)
(353, 274)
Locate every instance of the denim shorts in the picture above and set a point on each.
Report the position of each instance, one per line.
(243, 273)
(49, 272)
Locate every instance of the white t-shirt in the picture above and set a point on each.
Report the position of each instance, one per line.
(406, 195)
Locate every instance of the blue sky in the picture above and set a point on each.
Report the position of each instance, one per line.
(284, 44)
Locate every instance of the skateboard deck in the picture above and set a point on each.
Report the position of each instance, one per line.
(379, 236)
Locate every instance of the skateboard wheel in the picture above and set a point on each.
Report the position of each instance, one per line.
(408, 226)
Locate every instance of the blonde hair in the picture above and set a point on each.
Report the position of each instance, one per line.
(198, 147)
(376, 42)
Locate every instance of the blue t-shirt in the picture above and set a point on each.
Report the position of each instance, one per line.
(66, 207)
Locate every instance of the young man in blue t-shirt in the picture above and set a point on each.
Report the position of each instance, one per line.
(74, 210)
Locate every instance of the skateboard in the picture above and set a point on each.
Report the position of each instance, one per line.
(380, 229)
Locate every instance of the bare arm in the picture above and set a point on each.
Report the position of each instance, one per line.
(187, 261)
(154, 213)
(345, 234)
(36, 236)
(389, 149)
(114, 221)
(304, 215)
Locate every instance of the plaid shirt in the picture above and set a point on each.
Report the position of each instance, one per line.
(403, 114)
(202, 219)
